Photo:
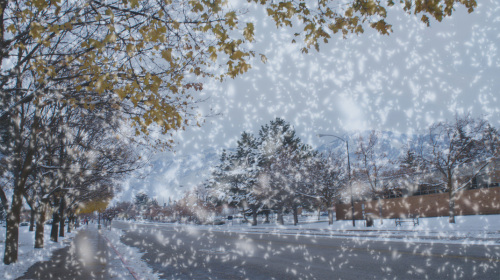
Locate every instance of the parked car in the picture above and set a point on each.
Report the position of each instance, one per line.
(49, 222)
(218, 222)
(24, 224)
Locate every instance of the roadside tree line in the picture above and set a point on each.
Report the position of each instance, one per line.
(55, 159)
(193, 207)
(69, 68)
(276, 172)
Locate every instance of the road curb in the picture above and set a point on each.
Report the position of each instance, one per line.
(121, 257)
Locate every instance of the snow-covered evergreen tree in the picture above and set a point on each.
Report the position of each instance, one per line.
(235, 177)
(283, 177)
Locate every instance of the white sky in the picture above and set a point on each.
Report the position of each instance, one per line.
(402, 82)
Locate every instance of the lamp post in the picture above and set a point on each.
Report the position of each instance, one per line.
(348, 171)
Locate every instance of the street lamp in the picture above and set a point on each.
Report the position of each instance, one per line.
(348, 171)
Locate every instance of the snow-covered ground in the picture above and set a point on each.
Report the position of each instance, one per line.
(27, 255)
(479, 229)
(131, 257)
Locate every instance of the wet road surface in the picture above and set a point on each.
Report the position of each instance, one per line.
(185, 252)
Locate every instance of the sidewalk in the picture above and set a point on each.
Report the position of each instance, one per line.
(88, 257)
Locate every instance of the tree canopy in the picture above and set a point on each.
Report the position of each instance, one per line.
(151, 53)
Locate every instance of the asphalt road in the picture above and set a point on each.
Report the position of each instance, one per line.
(185, 252)
(87, 257)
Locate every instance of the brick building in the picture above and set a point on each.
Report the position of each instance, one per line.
(481, 196)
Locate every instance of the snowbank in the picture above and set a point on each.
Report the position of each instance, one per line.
(480, 229)
(130, 256)
(28, 255)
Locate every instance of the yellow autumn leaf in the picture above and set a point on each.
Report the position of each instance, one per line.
(248, 32)
(167, 55)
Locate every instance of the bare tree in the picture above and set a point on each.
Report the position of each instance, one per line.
(456, 152)
(373, 167)
(328, 177)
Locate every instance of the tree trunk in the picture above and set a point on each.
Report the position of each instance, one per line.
(21, 173)
(73, 222)
(12, 230)
(380, 211)
(295, 216)
(55, 227)
(32, 220)
(452, 207)
(279, 218)
(40, 229)
(244, 215)
(254, 216)
(266, 221)
(330, 216)
(61, 217)
(319, 213)
(76, 222)
(61, 227)
(70, 223)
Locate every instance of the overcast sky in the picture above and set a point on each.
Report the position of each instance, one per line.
(402, 82)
